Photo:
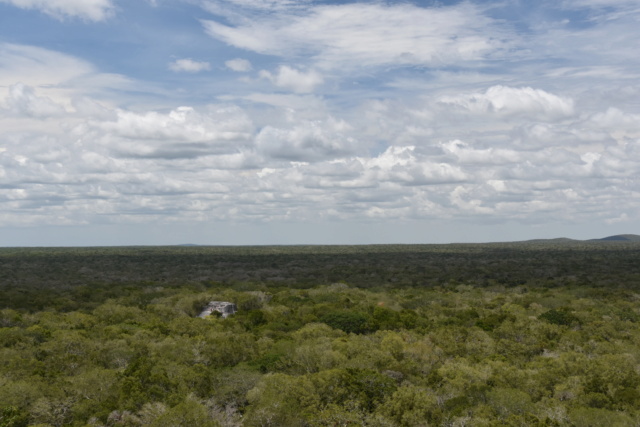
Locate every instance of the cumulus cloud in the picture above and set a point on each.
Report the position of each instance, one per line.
(465, 154)
(22, 100)
(294, 80)
(405, 165)
(307, 141)
(293, 166)
(617, 121)
(539, 135)
(507, 101)
(461, 198)
(93, 10)
(181, 133)
(238, 65)
(367, 34)
(188, 65)
(394, 168)
(447, 143)
(139, 166)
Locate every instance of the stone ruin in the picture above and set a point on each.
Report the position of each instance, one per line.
(224, 308)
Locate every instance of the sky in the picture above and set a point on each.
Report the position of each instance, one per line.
(252, 122)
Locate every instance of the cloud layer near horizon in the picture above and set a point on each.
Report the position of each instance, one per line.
(318, 112)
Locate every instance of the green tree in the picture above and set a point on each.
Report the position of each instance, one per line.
(12, 416)
(412, 406)
(188, 413)
(559, 317)
(347, 321)
(281, 400)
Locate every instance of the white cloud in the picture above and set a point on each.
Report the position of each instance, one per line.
(617, 121)
(227, 7)
(423, 118)
(405, 165)
(459, 197)
(138, 166)
(436, 147)
(596, 56)
(298, 103)
(22, 100)
(55, 75)
(467, 155)
(307, 141)
(239, 65)
(189, 66)
(36, 66)
(93, 10)
(295, 80)
(181, 133)
(514, 101)
(600, 4)
(360, 35)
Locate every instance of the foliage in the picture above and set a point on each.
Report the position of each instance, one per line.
(559, 317)
(474, 335)
(347, 321)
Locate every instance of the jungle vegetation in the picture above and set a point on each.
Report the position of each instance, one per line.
(521, 334)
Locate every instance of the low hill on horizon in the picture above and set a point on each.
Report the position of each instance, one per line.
(619, 238)
(615, 238)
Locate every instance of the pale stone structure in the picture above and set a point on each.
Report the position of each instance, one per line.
(224, 308)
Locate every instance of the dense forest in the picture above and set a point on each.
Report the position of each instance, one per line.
(521, 334)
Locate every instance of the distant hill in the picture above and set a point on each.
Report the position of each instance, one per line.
(619, 238)
(616, 238)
